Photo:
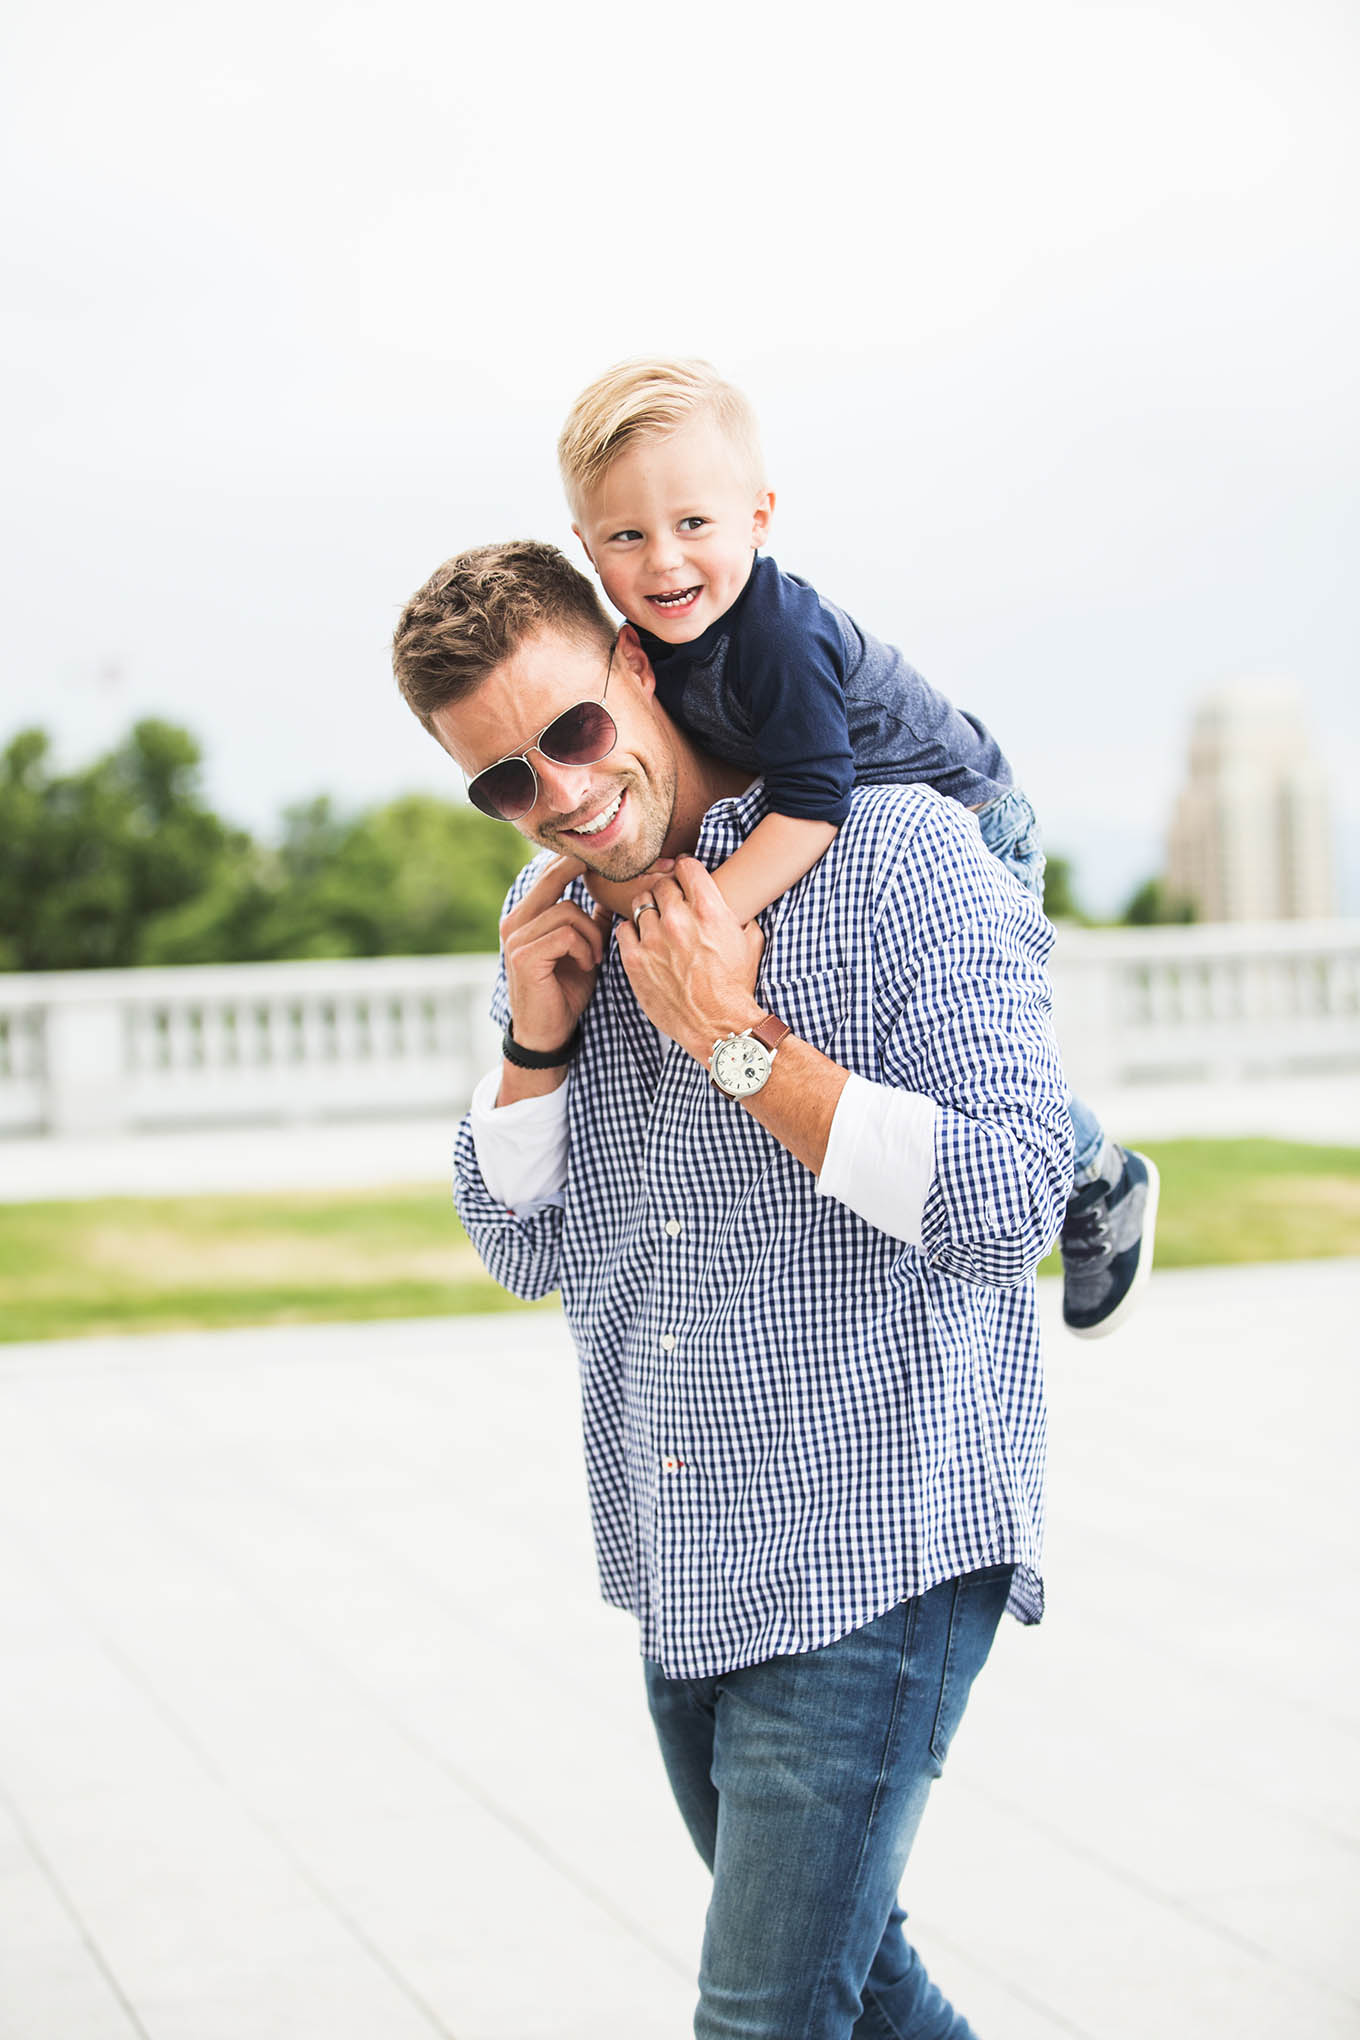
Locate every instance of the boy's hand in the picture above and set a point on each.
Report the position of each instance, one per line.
(552, 951)
(690, 961)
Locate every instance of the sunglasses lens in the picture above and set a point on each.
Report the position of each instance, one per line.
(504, 791)
(582, 736)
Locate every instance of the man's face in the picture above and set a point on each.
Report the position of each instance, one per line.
(614, 815)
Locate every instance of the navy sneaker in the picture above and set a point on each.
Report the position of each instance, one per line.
(1107, 1245)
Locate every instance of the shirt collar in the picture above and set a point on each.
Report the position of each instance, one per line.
(729, 822)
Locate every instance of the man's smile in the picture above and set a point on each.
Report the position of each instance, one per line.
(600, 826)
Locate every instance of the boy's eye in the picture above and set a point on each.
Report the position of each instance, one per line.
(623, 537)
(692, 523)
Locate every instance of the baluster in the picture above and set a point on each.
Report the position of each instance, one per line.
(348, 1034)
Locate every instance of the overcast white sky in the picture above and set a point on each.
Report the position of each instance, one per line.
(1052, 314)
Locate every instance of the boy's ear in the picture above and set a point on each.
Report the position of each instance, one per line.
(584, 547)
(764, 514)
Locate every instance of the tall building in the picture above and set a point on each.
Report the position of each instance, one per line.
(1251, 836)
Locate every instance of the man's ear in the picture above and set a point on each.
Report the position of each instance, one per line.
(584, 547)
(629, 651)
(764, 514)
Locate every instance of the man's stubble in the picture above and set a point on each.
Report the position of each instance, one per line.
(652, 801)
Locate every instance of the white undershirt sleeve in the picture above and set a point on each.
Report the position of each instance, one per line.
(521, 1148)
(880, 1156)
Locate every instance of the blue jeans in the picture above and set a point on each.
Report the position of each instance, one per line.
(802, 1782)
(1010, 830)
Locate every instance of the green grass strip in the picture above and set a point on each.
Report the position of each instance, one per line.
(1229, 1201)
(127, 1264)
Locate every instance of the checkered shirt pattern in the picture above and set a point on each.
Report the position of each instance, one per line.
(793, 1421)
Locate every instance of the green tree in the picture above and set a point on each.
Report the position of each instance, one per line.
(417, 876)
(445, 871)
(1060, 901)
(91, 859)
(1150, 905)
(124, 863)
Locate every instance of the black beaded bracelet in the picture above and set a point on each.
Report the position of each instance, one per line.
(539, 1059)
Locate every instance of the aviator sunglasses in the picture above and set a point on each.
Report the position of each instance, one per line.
(581, 735)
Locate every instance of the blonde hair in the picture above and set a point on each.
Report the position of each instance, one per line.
(649, 398)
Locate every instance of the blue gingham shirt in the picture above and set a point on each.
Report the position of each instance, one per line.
(793, 1421)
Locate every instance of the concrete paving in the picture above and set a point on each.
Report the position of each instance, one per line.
(312, 1726)
(363, 1152)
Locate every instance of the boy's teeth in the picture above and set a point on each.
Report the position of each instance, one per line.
(600, 821)
(680, 595)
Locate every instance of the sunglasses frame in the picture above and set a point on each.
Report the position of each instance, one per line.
(521, 756)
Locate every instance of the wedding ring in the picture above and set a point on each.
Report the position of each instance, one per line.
(644, 907)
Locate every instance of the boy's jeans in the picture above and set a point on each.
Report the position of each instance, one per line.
(1011, 832)
(802, 1782)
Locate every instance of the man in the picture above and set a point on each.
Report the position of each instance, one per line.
(793, 1183)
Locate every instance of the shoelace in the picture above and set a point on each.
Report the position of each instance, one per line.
(1086, 1230)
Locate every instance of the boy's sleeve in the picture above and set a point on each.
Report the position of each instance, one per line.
(786, 666)
(967, 1022)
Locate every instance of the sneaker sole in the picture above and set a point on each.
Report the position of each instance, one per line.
(1127, 1303)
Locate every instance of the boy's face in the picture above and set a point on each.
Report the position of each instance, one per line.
(672, 529)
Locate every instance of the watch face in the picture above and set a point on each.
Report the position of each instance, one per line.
(740, 1065)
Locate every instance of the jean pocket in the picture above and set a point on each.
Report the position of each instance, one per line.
(1011, 832)
(975, 1609)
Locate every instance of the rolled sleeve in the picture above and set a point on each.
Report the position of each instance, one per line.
(513, 1212)
(521, 1251)
(971, 1028)
(880, 1156)
(521, 1148)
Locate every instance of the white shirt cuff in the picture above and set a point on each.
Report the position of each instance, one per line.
(880, 1156)
(521, 1148)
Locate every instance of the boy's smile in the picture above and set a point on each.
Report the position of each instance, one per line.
(672, 530)
(678, 603)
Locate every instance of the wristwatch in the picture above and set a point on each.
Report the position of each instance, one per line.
(740, 1064)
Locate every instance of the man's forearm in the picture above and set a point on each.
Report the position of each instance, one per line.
(517, 1083)
(870, 1147)
(798, 1102)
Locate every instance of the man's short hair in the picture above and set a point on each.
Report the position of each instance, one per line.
(476, 610)
(649, 398)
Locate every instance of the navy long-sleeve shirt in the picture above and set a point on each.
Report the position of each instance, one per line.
(788, 685)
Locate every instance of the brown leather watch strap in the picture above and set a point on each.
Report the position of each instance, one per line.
(769, 1032)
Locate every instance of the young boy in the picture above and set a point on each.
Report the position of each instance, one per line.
(663, 471)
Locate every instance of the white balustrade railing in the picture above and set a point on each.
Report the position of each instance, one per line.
(1226, 1003)
(97, 1051)
(91, 1051)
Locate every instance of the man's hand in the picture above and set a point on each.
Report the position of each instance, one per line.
(618, 894)
(552, 951)
(690, 961)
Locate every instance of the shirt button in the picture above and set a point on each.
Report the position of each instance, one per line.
(673, 1227)
(668, 1342)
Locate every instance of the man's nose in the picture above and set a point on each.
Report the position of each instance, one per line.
(561, 787)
